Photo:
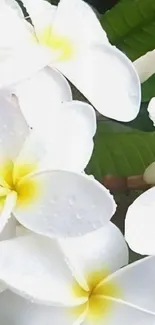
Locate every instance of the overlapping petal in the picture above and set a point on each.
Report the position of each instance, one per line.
(21, 63)
(9, 230)
(15, 6)
(137, 284)
(69, 137)
(23, 312)
(102, 251)
(42, 13)
(35, 267)
(40, 95)
(66, 204)
(107, 79)
(74, 19)
(13, 128)
(64, 137)
(140, 224)
(15, 34)
(5, 215)
(123, 314)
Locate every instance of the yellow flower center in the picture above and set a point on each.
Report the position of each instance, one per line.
(61, 44)
(99, 303)
(13, 177)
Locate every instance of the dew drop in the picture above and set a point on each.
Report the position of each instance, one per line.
(94, 226)
(78, 216)
(93, 206)
(71, 200)
(52, 201)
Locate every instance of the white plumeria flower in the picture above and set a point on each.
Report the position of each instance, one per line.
(75, 281)
(41, 181)
(69, 38)
(140, 218)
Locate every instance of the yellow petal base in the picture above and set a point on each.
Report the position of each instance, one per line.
(99, 304)
(14, 178)
(61, 44)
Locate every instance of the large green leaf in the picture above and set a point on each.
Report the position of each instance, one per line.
(148, 89)
(130, 25)
(142, 122)
(122, 153)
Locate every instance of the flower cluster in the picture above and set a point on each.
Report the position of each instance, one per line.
(60, 256)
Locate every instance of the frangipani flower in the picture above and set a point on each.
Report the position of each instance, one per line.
(75, 281)
(75, 44)
(41, 182)
(140, 218)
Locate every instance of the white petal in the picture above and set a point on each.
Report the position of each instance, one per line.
(151, 110)
(9, 230)
(149, 174)
(23, 312)
(145, 66)
(38, 96)
(119, 313)
(64, 139)
(22, 231)
(33, 150)
(42, 13)
(107, 79)
(22, 63)
(13, 30)
(15, 6)
(35, 268)
(9, 205)
(66, 204)
(76, 20)
(102, 250)
(137, 284)
(13, 129)
(70, 137)
(140, 224)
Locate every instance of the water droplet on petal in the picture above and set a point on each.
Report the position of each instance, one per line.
(71, 200)
(94, 226)
(52, 201)
(93, 206)
(78, 216)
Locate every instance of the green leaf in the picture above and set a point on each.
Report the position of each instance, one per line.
(130, 26)
(142, 122)
(121, 153)
(148, 89)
